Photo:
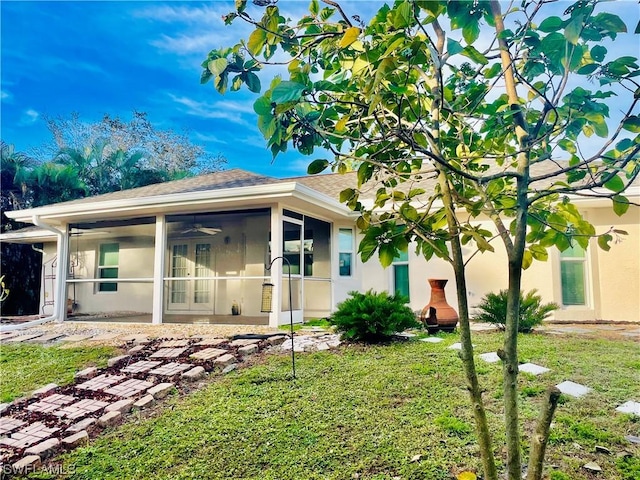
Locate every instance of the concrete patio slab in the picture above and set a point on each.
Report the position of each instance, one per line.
(630, 407)
(491, 357)
(432, 340)
(573, 389)
(533, 369)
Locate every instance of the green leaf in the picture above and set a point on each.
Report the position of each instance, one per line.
(615, 184)
(314, 7)
(350, 36)
(551, 24)
(386, 254)
(404, 15)
(471, 53)
(539, 253)
(527, 259)
(317, 166)
(287, 92)
(620, 205)
(256, 41)
(453, 47)
(572, 31)
(262, 106)
(609, 22)
(632, 124)
(241, 5)
(598, 53)
(588, 69)
(409, 212)
(471, 31)
(603, 242)
(253, 82)
(217, 66)
(346, 195)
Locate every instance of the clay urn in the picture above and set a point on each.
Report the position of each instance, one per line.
(438, 314)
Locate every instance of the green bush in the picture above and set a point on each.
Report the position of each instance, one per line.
(373, 317)
(493, 309)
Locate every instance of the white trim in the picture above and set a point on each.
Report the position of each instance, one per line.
(176, 201)
(159, 258)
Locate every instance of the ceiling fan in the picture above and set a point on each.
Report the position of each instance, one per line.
(197, 228)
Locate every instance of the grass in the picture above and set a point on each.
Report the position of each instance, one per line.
(23, 368)
(365, 412)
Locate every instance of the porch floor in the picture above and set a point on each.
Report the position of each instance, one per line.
(200, 319)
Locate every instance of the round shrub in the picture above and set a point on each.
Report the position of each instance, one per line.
(373, 317)
(493, 309)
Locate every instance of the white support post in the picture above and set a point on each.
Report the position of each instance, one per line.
(158, 269)
(276, 269)
(62, 274)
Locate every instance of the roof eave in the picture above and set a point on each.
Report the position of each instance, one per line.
(145, 205)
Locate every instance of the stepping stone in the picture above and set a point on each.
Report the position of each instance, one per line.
(211, 342)
(277, 340)
(136, 349)
(81, 425)
(243, 342)
(248, 350)
(491, 357)
(112, 362)
(51, 403)
(455, 346)
(109, 419)
(101, 382)
(43, 391)
(75, 440)
(144, 402)
(161, 390)
(630, 334)
(630, 407)
(168, 353)
(432, 339)
(137, 338)
(44, 449)
(77, 338)
(323, 346)
(208, 354)
(23, 338)
(533, 369)
(105, 337)
(80, 409)
(572, 330)
(196, 373)
(229, 368)
(26, 464)
(482, 327)
(48, 338)
(86, 374)
(632, 438)
(225, 360)
(3, 407)
(170, 369)
(573, 389)
(122, 406)
(129, 388)
(34, 433)
(141, 367)
(9, 424)
(174, 343)
(405, 335)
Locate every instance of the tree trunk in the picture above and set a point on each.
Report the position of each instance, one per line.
(541, 435)
(482, 428)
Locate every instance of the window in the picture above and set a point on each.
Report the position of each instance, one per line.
(401, 274)
(345, 255)
(108, 260)
(572, 276)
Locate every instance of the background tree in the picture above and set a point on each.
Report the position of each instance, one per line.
(508, 111)
(86, 159)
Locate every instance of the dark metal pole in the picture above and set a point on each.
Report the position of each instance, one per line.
(293, 356)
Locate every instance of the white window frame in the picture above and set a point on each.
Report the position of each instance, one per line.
(395, 263)
(99, 268)
(584, 261)
(350, 251)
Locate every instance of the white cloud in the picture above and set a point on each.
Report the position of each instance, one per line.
(29, 117)
(230, 111)
(4, 95)
(186, 44)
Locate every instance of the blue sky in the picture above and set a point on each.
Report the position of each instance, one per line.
(113, 57)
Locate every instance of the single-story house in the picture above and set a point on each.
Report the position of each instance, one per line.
(198, 250)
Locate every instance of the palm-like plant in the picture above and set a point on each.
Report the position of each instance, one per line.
(493, 309)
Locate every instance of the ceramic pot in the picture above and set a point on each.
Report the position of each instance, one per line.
(438, 314)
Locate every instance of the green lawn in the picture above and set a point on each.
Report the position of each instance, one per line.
(364, 412)
(25, 367)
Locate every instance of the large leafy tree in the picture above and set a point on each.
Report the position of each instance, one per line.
(508, 110)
